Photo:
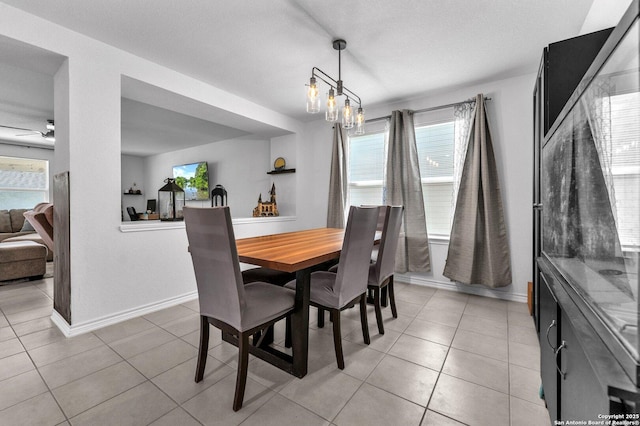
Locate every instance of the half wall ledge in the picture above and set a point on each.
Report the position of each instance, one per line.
(145, 226)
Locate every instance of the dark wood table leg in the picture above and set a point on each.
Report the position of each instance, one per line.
(370, 296)
(300, 324)
(267, 339)
(383, 297)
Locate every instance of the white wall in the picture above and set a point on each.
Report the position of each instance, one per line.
(240, 165)
(604, 14)
(511, 122)
(133, 172)
(313, 176)
(115, 274)
(286, 184)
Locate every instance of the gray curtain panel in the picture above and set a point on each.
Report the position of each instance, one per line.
(403, 187)
(337, 180)
(478, 247)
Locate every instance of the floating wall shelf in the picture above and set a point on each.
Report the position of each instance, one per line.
(277, 172)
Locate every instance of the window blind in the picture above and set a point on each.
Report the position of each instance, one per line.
(435, 152)
(625, 165)
(366, 169)
(24, 182)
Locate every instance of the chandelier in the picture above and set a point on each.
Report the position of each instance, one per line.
(336, 88)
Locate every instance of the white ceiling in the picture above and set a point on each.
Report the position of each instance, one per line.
(264, 50)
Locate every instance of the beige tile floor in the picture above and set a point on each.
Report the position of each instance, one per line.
(449, 359)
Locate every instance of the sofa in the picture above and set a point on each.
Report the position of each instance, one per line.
(15, 227)
(12, 224)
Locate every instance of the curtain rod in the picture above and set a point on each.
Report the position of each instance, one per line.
(386, 117)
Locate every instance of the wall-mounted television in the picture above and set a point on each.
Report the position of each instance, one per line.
(193, 178)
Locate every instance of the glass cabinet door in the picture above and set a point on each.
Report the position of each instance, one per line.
(591, 192)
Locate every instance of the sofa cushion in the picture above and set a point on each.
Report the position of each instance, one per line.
(27, 227)
(21, 260)
(21, 250)
(31, 236)
(5, 221)
(17, 219)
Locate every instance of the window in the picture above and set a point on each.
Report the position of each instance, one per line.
(625, 167)
(367, 159)
(365, 170)
(435, 151)
(24, 182)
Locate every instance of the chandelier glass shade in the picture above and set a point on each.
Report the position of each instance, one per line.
(313, 100)
(350, 116)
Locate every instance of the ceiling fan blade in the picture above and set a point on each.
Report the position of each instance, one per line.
(19, 128)
(31, 134)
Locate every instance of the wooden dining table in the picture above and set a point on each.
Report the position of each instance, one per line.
(301, 252)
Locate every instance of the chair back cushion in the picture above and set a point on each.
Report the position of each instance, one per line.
(215, 262)
(386, 261)
(355, 256)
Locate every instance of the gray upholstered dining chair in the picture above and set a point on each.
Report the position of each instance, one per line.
(381, 271)
(271, 276)
(225, 302)
(267, 275)
(336, 292)
(382, 212)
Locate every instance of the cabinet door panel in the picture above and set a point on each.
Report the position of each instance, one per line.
(582, 396)
(549, 328)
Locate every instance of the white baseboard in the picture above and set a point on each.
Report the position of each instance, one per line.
(81, 328)
(461, 288)
(85, 327)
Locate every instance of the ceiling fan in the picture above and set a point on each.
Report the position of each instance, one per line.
(48, 135)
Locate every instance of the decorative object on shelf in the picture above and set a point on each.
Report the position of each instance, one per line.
(218, 192)
(134, 190)
(349, 118)
(267, 208)
(279, 164)
(170, 201)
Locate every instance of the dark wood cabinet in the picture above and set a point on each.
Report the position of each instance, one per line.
(564, 63)
(587, 321)
(580, 377)
(562, 66)
(549, 322)
(582, 394)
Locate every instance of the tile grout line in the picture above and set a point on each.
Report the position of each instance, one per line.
(274, 392)
(36, 368)
(424, 415)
